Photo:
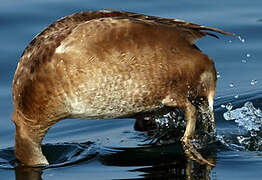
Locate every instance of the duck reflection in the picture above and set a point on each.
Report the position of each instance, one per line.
(160, 162)
(163, 162)
(155, 164)
(27, 173)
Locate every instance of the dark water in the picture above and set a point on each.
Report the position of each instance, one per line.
(111, 149)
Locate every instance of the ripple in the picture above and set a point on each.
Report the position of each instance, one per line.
(58, 155)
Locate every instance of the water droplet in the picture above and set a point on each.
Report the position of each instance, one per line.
(240, 139)
(258, 112)
(236, 96)
(253, 133)
(218, 75)
(231, 85)
(228, 116)
(244, 61)
(222, 105)
(253, 82)
(229, 106)
(248, 55)
(241, 39)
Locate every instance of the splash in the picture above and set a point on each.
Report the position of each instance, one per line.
(248, 118)
(170, 127)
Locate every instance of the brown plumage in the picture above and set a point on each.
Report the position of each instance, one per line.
(109, 64)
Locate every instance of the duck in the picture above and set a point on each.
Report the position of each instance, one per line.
(110, 64)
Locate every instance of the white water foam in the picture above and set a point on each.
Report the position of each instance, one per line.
(247, 116)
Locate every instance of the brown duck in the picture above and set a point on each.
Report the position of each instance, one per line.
(109, 64)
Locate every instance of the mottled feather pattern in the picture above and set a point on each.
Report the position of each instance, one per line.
(109, 64)
(42, 47)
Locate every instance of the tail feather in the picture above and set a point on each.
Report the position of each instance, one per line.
(195, 30)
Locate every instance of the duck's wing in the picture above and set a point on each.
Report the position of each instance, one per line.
(192, 31)
(62, 27)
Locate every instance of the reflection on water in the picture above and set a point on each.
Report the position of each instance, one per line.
(158, 162)
(164, 162)
(27, 173)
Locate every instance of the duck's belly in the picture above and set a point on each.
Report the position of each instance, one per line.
(111, 96)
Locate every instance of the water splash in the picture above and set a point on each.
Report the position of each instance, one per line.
(169, 120)
(170, 127)
(250, 119)
(229, 106)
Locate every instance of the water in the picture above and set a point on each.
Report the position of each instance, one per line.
(111, 149)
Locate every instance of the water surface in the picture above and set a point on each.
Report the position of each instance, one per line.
(111, 149)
